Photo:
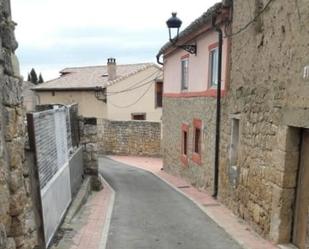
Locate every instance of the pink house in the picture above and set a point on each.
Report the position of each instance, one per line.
(189, 102)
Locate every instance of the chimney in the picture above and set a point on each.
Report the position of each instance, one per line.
(111, 68)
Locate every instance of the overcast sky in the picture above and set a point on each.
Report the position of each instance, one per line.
(54, 34)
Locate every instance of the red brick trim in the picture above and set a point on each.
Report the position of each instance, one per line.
(185, 127)
(208, 93)
(197, 157)
(197, 123)
(183, 157)
(185, 56)
(213, 46)
(184, 160)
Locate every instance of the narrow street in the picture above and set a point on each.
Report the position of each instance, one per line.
(150, 214)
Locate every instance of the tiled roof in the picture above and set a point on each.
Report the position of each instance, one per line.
(90, 77)
(193, 27)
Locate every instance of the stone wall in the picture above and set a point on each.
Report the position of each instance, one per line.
(178, 111)
(17, 228)
(138, 138)
(89, 140)
(269, 94)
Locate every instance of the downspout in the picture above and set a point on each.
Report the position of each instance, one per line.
(218, 114)
(158, 59)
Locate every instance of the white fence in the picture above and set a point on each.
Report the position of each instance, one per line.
(51, 140)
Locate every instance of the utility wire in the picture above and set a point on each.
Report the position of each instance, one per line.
(133, 87)
(135, 102)
(252, 21)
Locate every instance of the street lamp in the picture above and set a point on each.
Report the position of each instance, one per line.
(174, 24)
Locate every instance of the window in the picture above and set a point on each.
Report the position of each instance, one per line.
(197, 144)
(159, 93)
(234, 151)
(184, 143)
(213, 67)
(138, 116)
(197, 141)
(184, 73)
(53, 93)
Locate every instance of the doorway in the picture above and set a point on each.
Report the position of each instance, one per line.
(300, 236)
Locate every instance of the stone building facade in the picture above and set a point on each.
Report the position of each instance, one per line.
(263, 173)
(17, 226)
(183, 111)
(265, 111)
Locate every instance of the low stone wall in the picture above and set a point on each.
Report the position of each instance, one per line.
(89, 140)
(136, 138)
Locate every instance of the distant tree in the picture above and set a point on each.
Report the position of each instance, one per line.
(41, 80)
(29, 77)
(33, 76)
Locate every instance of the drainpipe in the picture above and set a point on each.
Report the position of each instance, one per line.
(218, 115)
(158, 59)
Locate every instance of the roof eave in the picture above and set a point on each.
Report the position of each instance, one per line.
(98, 88)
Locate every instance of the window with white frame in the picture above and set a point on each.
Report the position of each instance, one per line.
(213, 67)
(184, 73)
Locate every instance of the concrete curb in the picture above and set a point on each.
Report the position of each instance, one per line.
(108, 218)
(79, 200)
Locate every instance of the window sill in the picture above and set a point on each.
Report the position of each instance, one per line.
(184, 160)
(212, 92)
(197, 158)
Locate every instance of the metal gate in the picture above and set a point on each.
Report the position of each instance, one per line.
(50, 140)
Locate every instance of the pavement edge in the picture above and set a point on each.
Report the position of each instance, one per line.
(104, 236)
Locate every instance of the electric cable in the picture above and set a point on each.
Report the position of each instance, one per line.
(135, 102)
(252, 21)
(133, 87)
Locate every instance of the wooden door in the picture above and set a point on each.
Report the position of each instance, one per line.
(301, 216)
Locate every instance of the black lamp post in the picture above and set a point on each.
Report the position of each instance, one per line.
(174, 23)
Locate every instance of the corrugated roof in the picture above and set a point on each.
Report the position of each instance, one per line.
(193, 27)
(90, 77)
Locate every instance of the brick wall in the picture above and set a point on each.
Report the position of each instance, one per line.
(17, 228)
(138, 138)
(178, 111)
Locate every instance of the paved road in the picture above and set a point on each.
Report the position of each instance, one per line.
(149, 214)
